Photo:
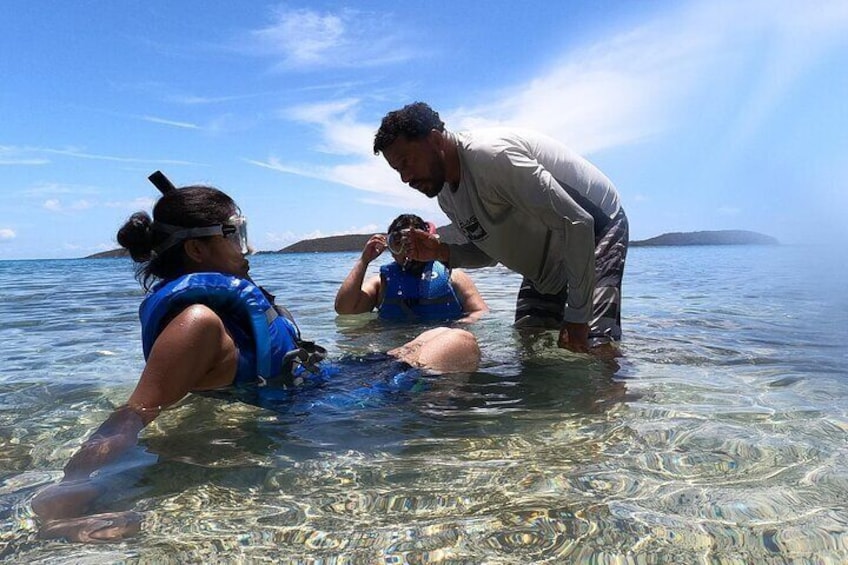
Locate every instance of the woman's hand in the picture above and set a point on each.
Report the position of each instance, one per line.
(96, 528)
(374, 247)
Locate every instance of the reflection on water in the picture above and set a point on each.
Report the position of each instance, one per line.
(720, 439)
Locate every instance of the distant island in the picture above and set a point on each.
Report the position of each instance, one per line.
(721, 237)
(449, 234)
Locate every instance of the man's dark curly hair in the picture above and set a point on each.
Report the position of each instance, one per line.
(413, 121)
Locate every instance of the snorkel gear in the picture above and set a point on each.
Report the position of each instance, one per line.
(162, 182)
(396, 240)
(234, 230)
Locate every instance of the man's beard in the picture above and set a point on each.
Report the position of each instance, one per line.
(436, 179)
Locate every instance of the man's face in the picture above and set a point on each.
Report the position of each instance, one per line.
(420, 163)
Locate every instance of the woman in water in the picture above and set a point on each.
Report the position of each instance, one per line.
(205, 327)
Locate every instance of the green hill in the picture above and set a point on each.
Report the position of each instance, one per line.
(722, 237)
(449, 234)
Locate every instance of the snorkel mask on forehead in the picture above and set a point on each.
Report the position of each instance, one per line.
(233, 230)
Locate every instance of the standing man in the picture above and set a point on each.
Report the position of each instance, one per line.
(524, 200)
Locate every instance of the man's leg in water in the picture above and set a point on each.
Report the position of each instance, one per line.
(610, 255)
(441, 350)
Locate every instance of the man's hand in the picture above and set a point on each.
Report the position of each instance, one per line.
(374, 247)
(574, 337)
(424, 246)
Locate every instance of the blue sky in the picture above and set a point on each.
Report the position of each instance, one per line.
(706, 114)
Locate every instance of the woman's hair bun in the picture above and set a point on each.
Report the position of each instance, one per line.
(136, 236)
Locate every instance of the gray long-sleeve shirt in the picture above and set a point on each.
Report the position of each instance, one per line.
(517, 204)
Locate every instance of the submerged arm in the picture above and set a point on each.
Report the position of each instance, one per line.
(193, 352)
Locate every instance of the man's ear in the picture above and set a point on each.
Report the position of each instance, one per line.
(194, 250)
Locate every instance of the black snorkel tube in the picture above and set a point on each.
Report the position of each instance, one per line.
(162, 182)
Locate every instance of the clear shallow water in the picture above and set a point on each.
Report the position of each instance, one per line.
(721, 439)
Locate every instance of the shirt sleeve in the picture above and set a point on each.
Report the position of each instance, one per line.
(469, 256)
(528, 185)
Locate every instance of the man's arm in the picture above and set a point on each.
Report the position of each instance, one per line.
(424, 246)
(356, 296)
(468, 255)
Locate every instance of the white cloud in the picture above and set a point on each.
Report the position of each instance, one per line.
(184, 125)
(304, 38)
(7, 234)
(342, 134)
(372, 176)
(621, 90)
(80, 154)
(36, 156)
(143, 203)
(34, 161)
(52, 188)
(55, 205)
(10, 155)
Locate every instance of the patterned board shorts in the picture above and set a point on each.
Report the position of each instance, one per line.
(536, 310)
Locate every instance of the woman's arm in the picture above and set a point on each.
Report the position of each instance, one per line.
(193, 352)
(472, 303)
(356, 296)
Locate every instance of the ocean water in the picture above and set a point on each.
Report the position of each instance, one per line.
(720, 438)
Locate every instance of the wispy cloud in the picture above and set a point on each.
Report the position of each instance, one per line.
(56, 205)
(344, 136)
(622, 90)
(61, 200)
(80, 154)
(143, 203)
(7, 234)
(195, 100)
(36, 156)
(7, 161)
(184, 125)
(632, 86)
(372, 176)
(52, 189)
(308, 39)
(10, 155)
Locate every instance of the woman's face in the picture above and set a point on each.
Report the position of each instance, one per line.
(223, 255)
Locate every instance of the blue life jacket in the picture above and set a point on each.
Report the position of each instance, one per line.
(428, 296)
(268, 340)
